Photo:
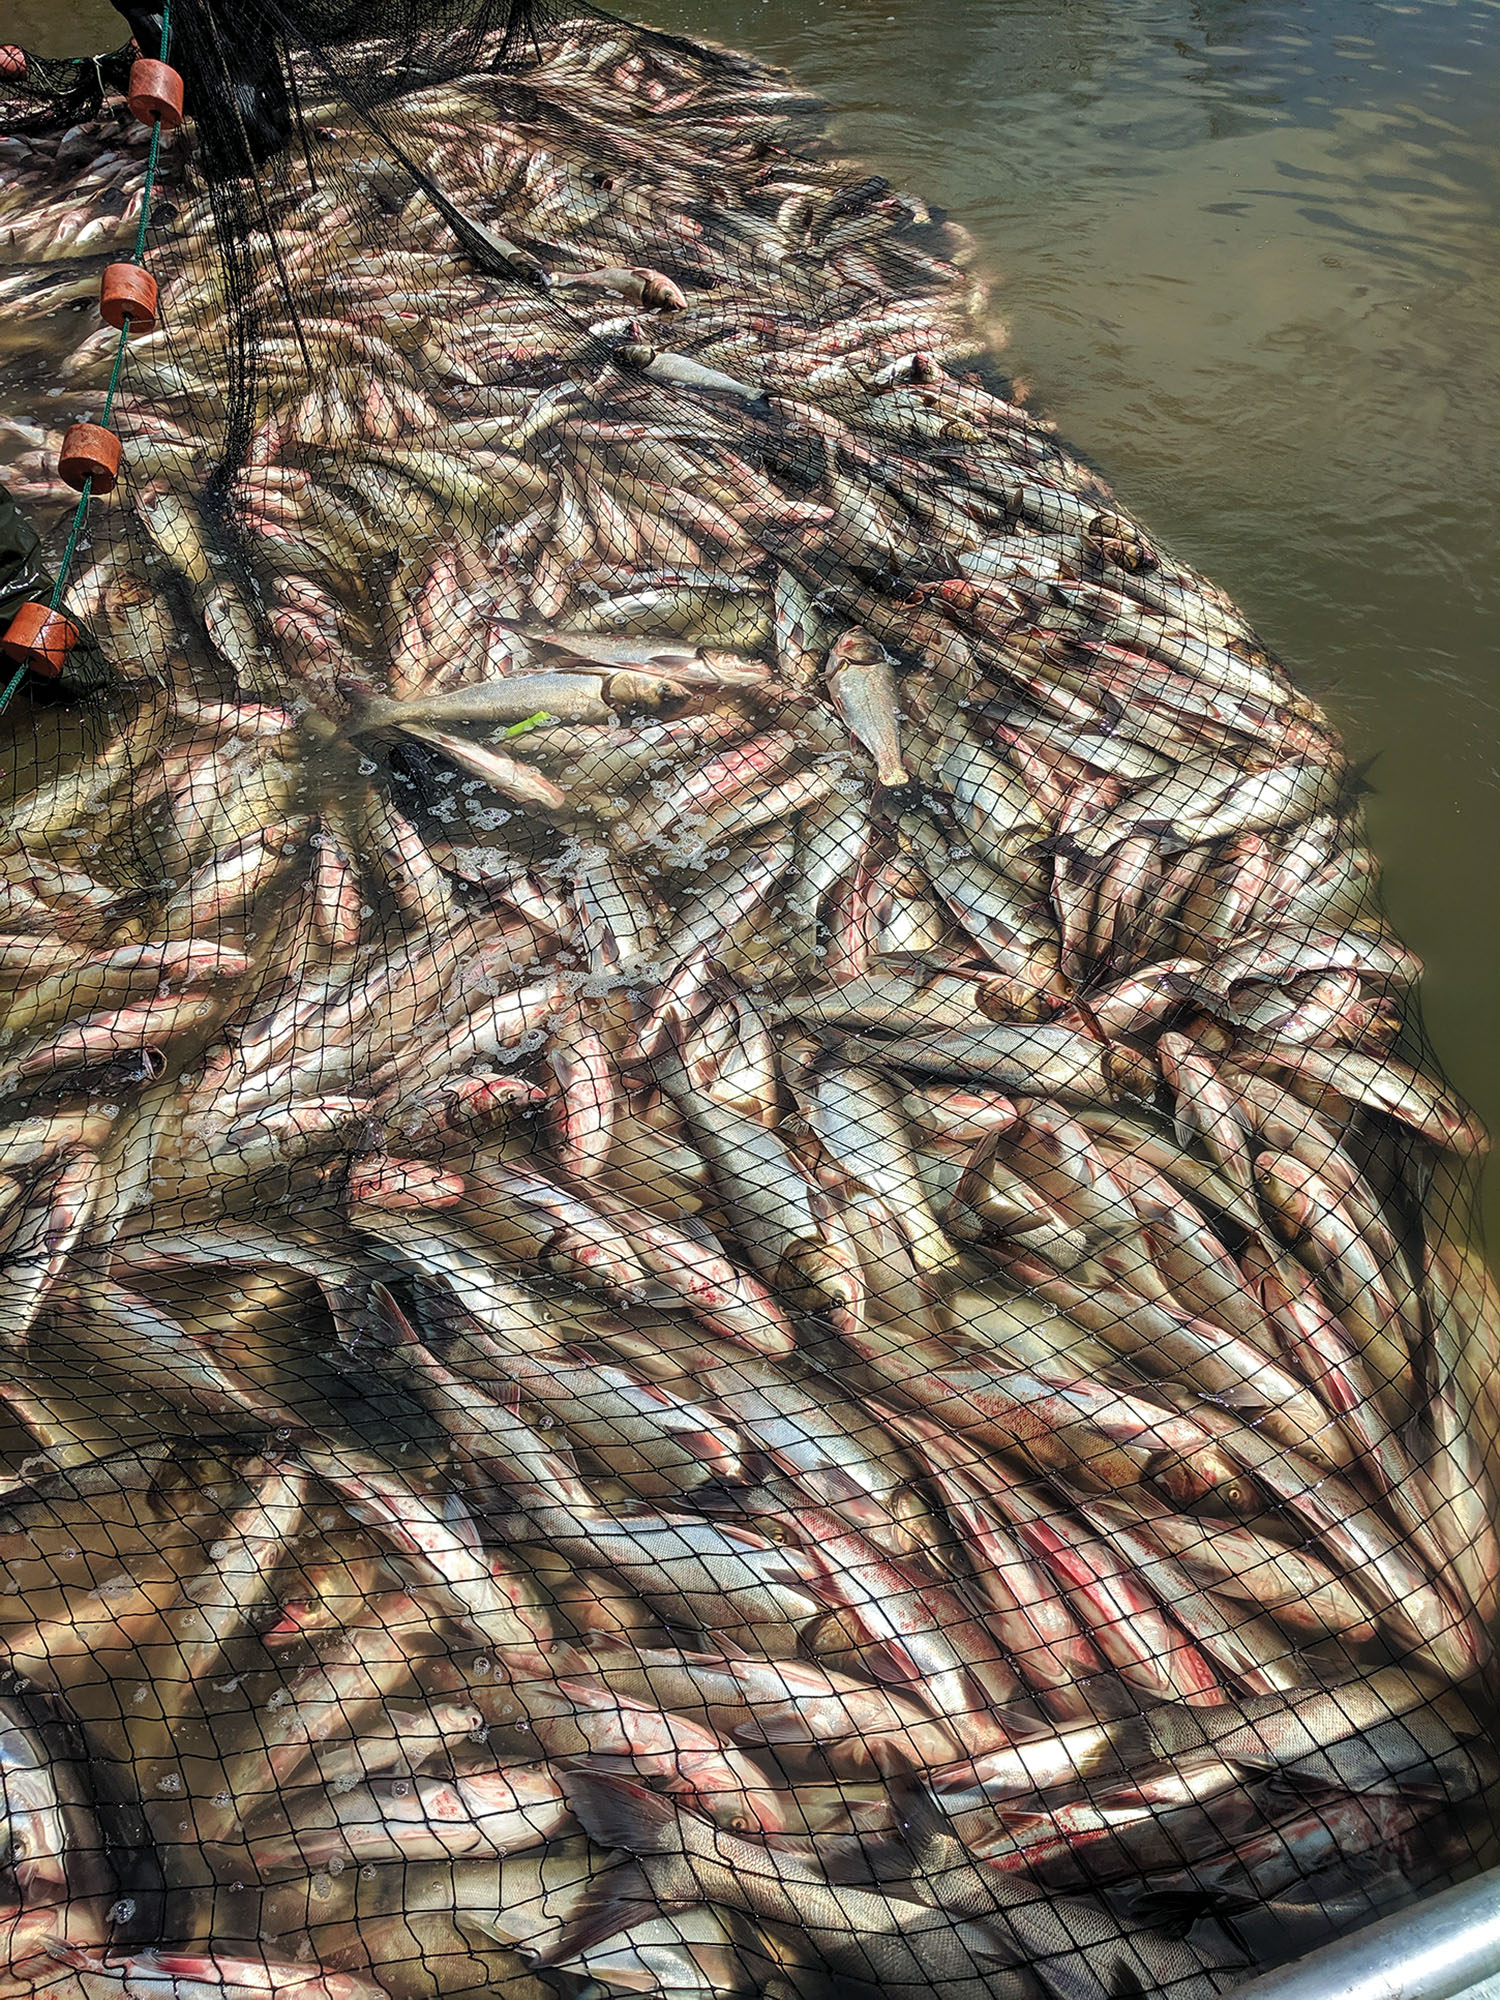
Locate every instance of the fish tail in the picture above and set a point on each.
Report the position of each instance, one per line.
(926, 1830)
(616, 1812)
(611, 1904)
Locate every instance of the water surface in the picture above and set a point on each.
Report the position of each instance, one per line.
(1247, 258)
(1245, 252)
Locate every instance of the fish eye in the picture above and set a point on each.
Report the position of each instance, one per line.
(1205, 1489)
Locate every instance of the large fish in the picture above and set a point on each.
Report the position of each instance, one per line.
(60, 1873)
(878, 1942)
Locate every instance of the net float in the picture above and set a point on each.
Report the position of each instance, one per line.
(40, 638)
(127, 292)
(89, 452)
(154, 93)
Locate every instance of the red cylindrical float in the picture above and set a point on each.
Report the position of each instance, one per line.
(128, 292)
(12, 60)
(90, 452)
(40, 638)
(154, 91)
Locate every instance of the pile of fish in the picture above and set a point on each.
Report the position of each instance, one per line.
(728, 1269)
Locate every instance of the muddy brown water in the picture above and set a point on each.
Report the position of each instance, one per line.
(1247, 256)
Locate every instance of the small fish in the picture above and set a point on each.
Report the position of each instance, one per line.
(651, 289)
(683, 372)
(563, 697)
(506, 775)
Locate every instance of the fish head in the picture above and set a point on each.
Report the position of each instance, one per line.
(50, 1847)
(1205, 1482)
(646, 693)
(297, 1618)
(739, 1807)
(855, 648)
(457, 1718)
(658, 293)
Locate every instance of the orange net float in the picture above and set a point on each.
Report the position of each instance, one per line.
(126, 292)
(154, 92)
(12, 60)
(40, 638)
(90, 452)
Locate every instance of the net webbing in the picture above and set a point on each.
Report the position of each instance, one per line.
(731, 1262)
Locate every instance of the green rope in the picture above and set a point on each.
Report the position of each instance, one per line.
(153, 154)
(73, 533)
(86, 491)
(139, 252)
(114, 373)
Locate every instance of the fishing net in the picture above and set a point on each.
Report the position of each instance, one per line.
(731, 1263)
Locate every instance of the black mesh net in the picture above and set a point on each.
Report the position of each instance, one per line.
(731, 1263)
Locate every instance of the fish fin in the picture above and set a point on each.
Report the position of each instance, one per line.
(611, 1904)
(442, 1315)
(864, 1860)
(616, 1812)
(359, 689)
(1064, 847)
(391, 1323)
(774, 1722)
(925, 1829)
(1174, 1912)
(790, 1568)
(1134, 1743)
(74, 1955)
(698, 1231)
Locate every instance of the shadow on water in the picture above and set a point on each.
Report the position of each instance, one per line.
(1246, 254)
